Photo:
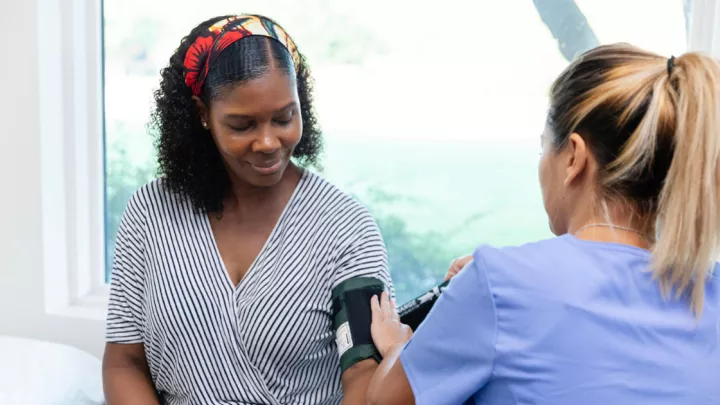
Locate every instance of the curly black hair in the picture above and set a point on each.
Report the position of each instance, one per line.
(188, 158)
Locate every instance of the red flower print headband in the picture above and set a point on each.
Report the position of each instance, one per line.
(206, 48)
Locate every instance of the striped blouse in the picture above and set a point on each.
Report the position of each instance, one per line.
(267, 341)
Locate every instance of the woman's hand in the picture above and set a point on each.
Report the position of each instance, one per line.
(387, 331)
(457, 265)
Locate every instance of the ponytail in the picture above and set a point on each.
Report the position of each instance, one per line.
(688, 237)
(653, 126)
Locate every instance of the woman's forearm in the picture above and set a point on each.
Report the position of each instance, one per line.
(126, 376)
(355, 382)
(128, 386)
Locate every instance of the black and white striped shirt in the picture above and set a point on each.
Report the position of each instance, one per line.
(267, 341)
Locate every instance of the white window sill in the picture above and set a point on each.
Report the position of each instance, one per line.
(92, 306)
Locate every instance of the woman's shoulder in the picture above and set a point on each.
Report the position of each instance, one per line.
(332, 203)
(154, 194)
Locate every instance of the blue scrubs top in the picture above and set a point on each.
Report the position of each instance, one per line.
(564, 322)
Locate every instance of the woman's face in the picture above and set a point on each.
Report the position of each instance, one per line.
(567, 179)
(551, 175)
(256, 126)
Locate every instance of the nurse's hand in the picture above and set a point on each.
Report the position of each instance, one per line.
(387, 331)
(457, 265)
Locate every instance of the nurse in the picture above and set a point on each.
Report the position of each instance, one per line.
(623, 307)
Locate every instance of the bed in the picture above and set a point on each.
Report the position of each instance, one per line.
(34, 372)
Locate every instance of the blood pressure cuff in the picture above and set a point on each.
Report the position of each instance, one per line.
(352, 317)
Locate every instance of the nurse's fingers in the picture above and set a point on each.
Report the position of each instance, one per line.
(377, 314)
(393, 310)
(385, 305)
(457, 265)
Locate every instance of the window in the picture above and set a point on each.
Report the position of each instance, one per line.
(431, 111)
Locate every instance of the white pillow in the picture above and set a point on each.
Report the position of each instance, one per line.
(34, 372)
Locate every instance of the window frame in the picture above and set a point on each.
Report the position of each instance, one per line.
(704, 32)
(71, 76)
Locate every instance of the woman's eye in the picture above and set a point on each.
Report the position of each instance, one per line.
(284, 120)
(240, 128)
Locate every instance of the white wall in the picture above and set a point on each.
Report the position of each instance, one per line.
(22, 307)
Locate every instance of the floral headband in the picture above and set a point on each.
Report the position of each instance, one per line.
(206, 48)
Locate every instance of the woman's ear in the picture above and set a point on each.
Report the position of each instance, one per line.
(577, 159)
(203, 111)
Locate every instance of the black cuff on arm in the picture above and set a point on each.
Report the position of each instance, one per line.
(352, 317)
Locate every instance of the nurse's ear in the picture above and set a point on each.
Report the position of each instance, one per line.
(575, 158)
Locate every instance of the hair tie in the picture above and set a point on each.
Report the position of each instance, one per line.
(670, 65)
(206, 48)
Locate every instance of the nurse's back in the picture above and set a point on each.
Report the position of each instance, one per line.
(630, 175)
(582, 322)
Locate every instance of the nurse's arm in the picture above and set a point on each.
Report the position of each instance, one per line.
(451, 356)
(390, 384)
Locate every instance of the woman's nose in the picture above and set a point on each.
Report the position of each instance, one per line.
(266, 142)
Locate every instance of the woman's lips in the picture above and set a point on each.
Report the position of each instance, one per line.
(267, 169)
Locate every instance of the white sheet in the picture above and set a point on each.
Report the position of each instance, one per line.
(41, 373)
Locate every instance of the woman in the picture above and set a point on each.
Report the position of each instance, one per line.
(223, 271)
(632, 139)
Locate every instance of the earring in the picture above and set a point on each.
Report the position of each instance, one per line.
(205, 124)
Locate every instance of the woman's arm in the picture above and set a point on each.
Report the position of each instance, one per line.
(363, 255)
(126, 377)
(355, 382)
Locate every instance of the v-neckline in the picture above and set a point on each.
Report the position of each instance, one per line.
(216, 250)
